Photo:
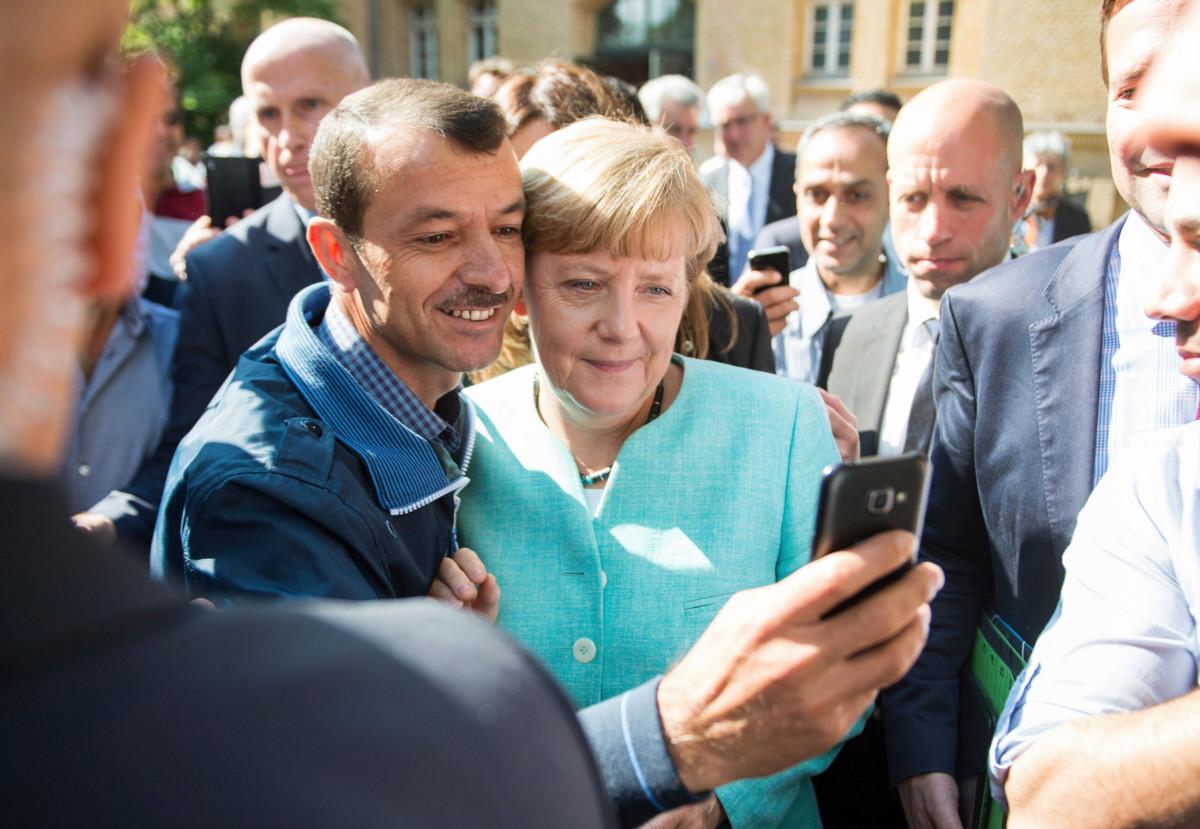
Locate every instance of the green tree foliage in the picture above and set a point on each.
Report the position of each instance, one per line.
(203, 40)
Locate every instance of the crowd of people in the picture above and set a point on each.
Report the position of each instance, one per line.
(511, 356)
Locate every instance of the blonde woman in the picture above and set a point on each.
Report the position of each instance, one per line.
(620, 492)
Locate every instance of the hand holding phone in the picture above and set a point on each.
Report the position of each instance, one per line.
(234, 186)
(865, 498)
(777, 258)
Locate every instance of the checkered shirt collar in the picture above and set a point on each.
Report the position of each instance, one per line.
(348, 347)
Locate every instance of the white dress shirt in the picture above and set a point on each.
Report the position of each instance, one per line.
(916, 350)
(748, 204)
(1124, 636)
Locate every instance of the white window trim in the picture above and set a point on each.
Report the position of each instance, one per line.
(833, 29)
(481, 23)
(423, 27)
(929, 25)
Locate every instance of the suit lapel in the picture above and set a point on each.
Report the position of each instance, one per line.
(866, 357)
(1065, 348)
(289, 261)
(781, 199)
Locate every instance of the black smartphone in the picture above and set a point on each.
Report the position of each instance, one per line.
(779, 258)
(867, 497)
(234, 186)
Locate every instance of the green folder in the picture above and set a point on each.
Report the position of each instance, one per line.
(998, 656)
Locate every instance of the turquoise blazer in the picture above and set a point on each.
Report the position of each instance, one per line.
(716, 495)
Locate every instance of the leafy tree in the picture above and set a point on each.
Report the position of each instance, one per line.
(204, 41)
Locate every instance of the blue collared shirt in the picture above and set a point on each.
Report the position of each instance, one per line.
(799, 346)
(1141, 389)
(339, 335)
(123, 405)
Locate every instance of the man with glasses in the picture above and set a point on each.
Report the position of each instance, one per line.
(751, 178)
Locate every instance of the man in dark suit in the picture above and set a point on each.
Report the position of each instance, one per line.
(752, 180)
(946, 229)
(125, 706)
(1052, 217)
(1047, 368)
(239, 284)
(1119, 658)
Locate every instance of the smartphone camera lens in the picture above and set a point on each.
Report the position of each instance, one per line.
(880, 501)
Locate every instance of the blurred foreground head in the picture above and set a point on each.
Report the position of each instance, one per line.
(1170, 101)
(77, 128)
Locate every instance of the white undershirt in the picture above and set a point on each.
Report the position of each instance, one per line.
(594, 497)
(916, 350)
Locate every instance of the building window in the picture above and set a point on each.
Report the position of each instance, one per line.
(481, 30)
(831, 25)
(641, 39)
(422, 33)
(928, 48)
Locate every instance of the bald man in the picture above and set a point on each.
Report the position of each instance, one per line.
(239, 285)
(1048, 368)
(956, 187)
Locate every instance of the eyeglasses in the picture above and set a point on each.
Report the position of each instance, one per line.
(740, 121)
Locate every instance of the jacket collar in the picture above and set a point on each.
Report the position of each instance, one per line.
(1075, 277)
(404, 468)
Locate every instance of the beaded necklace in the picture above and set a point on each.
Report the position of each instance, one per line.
(600, 476)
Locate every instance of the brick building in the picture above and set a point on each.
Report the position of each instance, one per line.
(812, 53)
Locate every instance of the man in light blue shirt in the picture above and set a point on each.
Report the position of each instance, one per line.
(124, 385)
(842, 209)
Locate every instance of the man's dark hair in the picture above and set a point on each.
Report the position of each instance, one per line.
(561, 93)
(340, 161)
(626, 94)
(1108, 8)
(872, 96)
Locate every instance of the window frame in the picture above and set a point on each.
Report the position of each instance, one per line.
(929, 43)
(482, 32)
(423, 40)
(831, 67)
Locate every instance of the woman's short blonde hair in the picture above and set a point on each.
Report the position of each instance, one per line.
(601, 185)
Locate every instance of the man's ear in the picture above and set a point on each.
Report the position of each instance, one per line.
(334, 254)
(1022, 194)
(117, 212)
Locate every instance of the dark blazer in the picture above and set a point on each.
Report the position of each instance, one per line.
(1070, 220)
(237, 291)
(784, 232)
(781, 203)
(126, 706)
(752, 346)
(1016, 380)
(858, 359)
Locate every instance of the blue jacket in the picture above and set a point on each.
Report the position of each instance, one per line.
(296, 483)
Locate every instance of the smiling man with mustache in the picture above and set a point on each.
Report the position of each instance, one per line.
(331, 461)
(1047, 369)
